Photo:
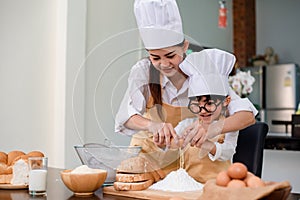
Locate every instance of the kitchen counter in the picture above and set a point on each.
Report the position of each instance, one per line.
(282, 143)
(56, 190)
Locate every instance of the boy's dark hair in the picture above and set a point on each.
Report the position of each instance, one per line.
(209, 97)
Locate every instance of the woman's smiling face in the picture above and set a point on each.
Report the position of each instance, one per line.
(167, 60)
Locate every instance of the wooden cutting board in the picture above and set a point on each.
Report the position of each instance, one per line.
(153, 194)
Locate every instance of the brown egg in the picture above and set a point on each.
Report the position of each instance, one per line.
(222, 179)
(255, 182)
(237, 171)
(236, 183)
(249, 174)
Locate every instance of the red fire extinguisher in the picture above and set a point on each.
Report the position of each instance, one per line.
(222, 15)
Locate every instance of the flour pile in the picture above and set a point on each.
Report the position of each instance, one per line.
(177, 181)
(84, 169)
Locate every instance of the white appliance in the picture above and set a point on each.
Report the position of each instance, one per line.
(276, 91)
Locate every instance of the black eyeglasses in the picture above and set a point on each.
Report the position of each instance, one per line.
(209, 107)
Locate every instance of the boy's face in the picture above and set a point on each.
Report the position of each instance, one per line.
(209, 109)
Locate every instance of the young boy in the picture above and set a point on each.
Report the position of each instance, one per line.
(208, 72)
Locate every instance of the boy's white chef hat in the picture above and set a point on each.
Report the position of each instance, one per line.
(159, 23)
(208, 72)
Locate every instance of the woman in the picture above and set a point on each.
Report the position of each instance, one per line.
(157, 93)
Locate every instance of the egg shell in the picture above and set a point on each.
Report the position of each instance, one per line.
(255, 182)
(249, 174)
(237, 171)
(236, 183)
(222, 179)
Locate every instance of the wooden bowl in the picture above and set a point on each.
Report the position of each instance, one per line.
(84, 184)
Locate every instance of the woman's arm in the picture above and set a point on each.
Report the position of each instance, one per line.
(235, 122)
(135, 99)
(238, 121)
(137, 122)
(196, 134)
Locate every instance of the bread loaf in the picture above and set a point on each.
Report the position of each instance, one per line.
(136, 164)
(137, 173)
(11, 156)
(156, 176)
(5, 178)
(22, 157)
(9, 171)
(158, 170)
(154, 167)
(4, 169)
(3, 157)
(142, 185)
(130, 178)
(35, 154)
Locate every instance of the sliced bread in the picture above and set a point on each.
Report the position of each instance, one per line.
(130, 178)
(142, 185)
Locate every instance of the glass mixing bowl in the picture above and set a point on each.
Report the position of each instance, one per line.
(105, 157)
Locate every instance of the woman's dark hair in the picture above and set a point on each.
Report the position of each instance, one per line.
(155, 87)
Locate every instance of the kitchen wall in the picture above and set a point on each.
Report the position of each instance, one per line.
(64, 65)
(27, 75)
(276, 26)
(112, 47)
(200, 23)
(42, 46)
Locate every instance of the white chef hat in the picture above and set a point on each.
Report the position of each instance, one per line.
(208, 72)
(159, 23)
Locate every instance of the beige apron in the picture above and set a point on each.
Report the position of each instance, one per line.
(200, 169)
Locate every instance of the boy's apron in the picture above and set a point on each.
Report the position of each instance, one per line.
(200, 169)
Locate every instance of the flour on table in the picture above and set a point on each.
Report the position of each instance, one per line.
(177, 181)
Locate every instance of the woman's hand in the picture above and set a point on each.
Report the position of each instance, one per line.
(162, 133)
(195, 134)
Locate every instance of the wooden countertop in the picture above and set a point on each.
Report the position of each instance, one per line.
(56, 190)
